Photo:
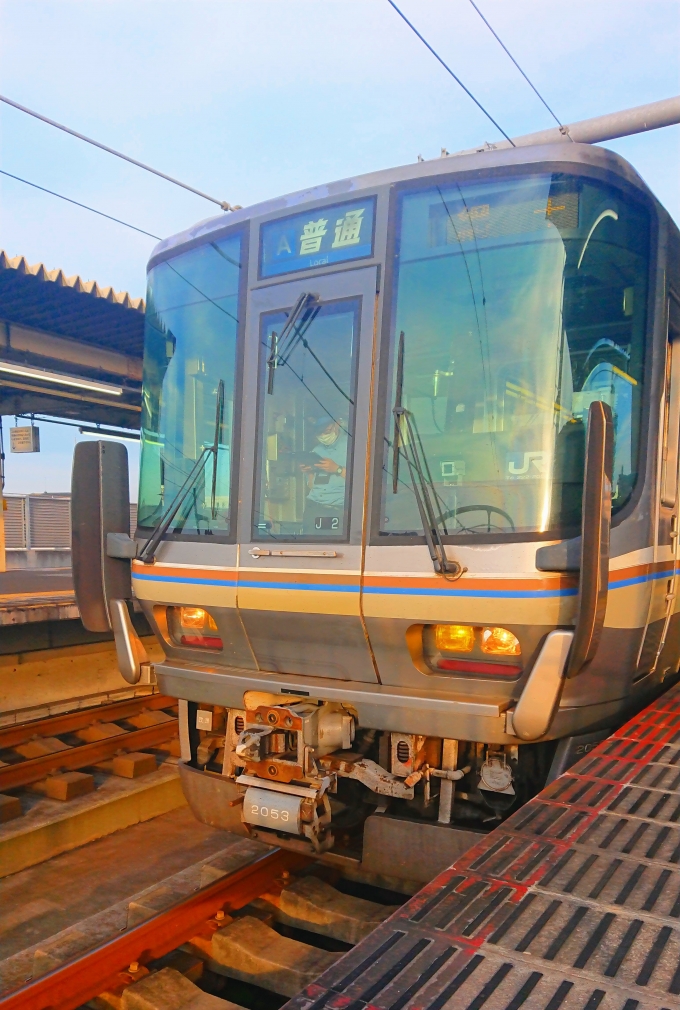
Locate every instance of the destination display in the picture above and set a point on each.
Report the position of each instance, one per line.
(317, 238)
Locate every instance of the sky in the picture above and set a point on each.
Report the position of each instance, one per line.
(249, 99)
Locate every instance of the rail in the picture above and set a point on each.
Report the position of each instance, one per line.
(573, 902)
(24, 770)
(69, 722)
(104, 966)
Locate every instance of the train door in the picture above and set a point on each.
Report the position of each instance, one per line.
(660, 636)
(308, 383)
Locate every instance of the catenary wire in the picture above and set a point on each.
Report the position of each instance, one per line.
(508, 53)
(110, 150)
(83, 205)
(450, 71)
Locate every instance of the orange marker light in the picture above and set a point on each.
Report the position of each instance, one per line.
(500, 642)
(196, 628)
(196, 617)
(454, 637)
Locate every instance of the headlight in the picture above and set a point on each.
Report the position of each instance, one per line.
(454, 637)
(195, 617)
(193, 626)
(500, 642)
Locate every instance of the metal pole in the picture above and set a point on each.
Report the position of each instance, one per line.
(593, 131)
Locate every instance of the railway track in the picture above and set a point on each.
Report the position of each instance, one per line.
(178, 931)
(573, 903)
(50, 755)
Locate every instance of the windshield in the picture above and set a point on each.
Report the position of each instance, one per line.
(189, 359)
(517, 302)
(307, 379)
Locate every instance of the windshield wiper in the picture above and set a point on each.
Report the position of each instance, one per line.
(277, 341)
(397, 411)
(219, 421)
(146, 555)
(424, 490)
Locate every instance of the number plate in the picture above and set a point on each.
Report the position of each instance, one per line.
(204, 719)
(276, 811)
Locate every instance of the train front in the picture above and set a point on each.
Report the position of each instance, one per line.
(368, 405)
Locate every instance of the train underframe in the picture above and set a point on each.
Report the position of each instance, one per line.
(304, 773)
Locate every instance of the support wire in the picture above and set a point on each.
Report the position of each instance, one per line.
(508, 53)
(110, 150)
(83, 205)
(450, 71)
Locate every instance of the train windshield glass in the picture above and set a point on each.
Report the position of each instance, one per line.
(517, 302)
(307, 378)
(189, 370)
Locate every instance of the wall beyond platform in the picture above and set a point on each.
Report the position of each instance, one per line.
(46, 682)
(37, 557)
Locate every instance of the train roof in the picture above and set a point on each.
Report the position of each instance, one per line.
(566, 153)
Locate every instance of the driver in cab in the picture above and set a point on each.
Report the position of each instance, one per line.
(325, 505)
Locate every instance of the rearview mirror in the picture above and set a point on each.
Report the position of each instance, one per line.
(100, 504)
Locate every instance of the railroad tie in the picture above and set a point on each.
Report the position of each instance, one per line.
(168, 989)
(10, 808)
(40, 746)
(250, 950)
(99, 731)
(312, 904)
(150, 718)
(131, 766)
(65, 785)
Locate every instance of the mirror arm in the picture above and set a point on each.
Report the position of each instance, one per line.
(130, 652)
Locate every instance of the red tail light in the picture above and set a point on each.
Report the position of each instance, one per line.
(475, 666)
(202, 641)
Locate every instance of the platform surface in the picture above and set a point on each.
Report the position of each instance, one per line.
(28, 595)
(43, 900)
(26, 581)
(573, 903)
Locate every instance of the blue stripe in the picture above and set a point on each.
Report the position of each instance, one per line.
(313, 587)
(325, 587)
(505, 594)
(230, 583)
(329, 587)
(650, 577)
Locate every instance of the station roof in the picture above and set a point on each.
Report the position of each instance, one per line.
(64, 325)
(44, 299)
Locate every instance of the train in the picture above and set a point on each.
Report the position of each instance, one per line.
(408, 502)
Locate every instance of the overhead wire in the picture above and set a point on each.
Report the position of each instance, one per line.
(77, 204)
(118, 154)
(508, 53)
(450, 71)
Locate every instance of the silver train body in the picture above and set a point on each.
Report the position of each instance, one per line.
(373, 600)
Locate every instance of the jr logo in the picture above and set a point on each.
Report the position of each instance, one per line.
(520, 463)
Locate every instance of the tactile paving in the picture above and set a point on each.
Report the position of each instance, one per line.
(573, 903)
